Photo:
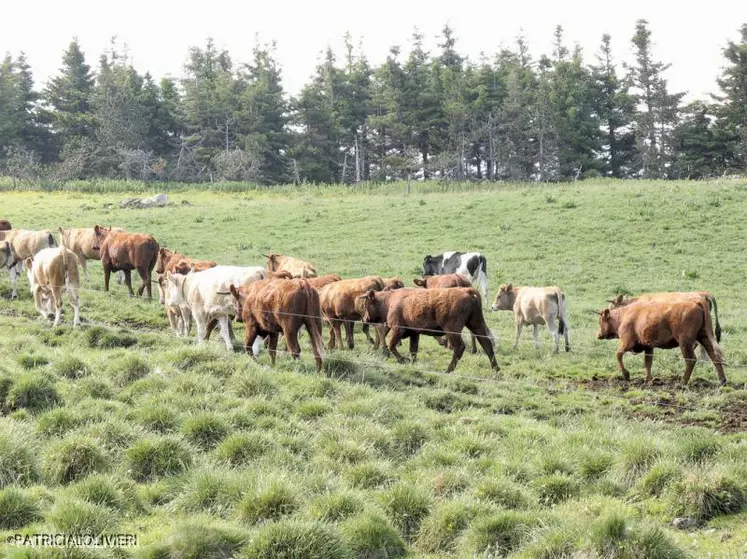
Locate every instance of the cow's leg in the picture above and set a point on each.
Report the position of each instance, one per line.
(211, 324)
(173, 316)
(620, 367)
(107, 274)
(83, 264)
(251, 335)
(201, 324)
(349, 325)
(474, 344)
(703, 353)
(14, 273)
(519, 328)
(457, 343)
(479, 330)
(414, 342)
(366, 331)
(186, 315)
(291, 341)
(145, 279)
(555, 336)
(336, 337)
(396, 336)
(128, 282)
(714, 352)
(689, 354)
(536, 336)
(381, 331)
(39, 302)
(57, 300)
(273, 346)
(224, 334)
(567, 338)
(72, 293)
(648, 361)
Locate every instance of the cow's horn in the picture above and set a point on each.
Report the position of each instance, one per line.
(222, 292)
(595, 311)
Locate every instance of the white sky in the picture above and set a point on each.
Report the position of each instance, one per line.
(159, 32)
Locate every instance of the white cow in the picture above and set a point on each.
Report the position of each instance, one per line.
(472, 265)
(535, 306)
(26, 244)
(48, 272)
(208, 296)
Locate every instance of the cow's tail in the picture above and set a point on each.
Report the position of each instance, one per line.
(313, 318)
(712, 302)
(476, 321)
(562, 318)
(482, 277)
(51, 243)
(71, 268)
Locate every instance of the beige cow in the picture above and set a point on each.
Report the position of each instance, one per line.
(297, 268)
(48, 272)
(81, 242)
(535, 306)
(26, 244)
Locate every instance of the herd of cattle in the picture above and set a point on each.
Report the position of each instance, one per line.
(288, 294)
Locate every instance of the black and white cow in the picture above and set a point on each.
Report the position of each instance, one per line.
(472, 265)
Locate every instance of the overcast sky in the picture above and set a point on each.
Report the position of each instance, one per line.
(159, 32)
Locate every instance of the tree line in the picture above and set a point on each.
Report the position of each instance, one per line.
(429, 114)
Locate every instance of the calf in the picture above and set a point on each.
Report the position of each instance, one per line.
(127, 251)
(270, 307)
(297, 268)
(445, 281)
(410, 312)
(646, 325)
(48, 272)
(26, 244)
(82, 243)
(207, 296)
(472, 265)
(339, 306)
(535, 306)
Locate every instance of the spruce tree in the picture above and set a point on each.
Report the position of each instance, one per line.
(731, 109)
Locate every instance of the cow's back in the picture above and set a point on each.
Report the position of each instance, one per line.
(28, 243)
(661, 323)
(338, 298)
(133, 249)
(210, 288)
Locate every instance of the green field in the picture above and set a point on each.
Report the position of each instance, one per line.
(118, 427)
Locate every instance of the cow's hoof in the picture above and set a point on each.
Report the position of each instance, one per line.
(403, 360)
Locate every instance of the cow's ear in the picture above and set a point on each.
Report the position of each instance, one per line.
(60, 230)
(29, 263)
(510, 287)
(605, 313)
(371, 295)
(96, 229)
(419, 282)
(234, 291)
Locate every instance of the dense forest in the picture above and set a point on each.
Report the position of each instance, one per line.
(439, 115)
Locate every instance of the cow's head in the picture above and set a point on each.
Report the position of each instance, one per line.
(282, 274)
(390, 284)
(100, 233)
(367, 307)
(175, 288)
(29, 264)
(238, 294)
(430, 266)
(420, 282)
(272, 262)
(505, 298)
(607, 326)
(164, 255)
(619, 301)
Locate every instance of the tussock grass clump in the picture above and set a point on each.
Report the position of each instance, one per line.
(31, 361)
(154, 457)
(18, 453)
(334, 507)
(214, 491)
(99, 337)
(555, 489)
(371, 535)
(613, 536)
(368, 475)
(74, 458)
(107, 491)
(312, 409)
(706, 495)
(504, 493)
(205, 430)
(72, 368)
(96, 388)
(654, 482)
(270, 502)
(497, 535)
(593, 465)
(58, 422)
(34, 392)
(635, 458)
(239, 449)
(608, 534)
(296, 539)
(697, 447)
(157, 416)
(189, 359)
(558, 542)
(127, 369)
(73, 516)
(408, 437)
(440, 530)
(199, 538)
(343, 450)
(445, 401)
(6, 381)
(406, 506)
(246, 384)
(114, 435)
(17, 508)
(553, 463)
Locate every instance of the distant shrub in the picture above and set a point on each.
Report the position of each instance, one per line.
(406, 506)
(72, 516)
(240, 449)
(29, 361)
(555, 489)
(334, 507)
(72, 368)
(151, 458)
(707, 495)
(74, 458)
(269, 503)
(371, 535)
(33, 392)
(128, 369)
(205, 430)
(295, 539)
(17, 508)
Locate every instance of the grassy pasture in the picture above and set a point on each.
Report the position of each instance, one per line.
(119, 427)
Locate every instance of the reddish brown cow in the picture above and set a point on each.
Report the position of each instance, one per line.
(319, 282)
(410, 312)
(442, 282)
(390, 284)
(127, 252)
(170, 261)
(5, 225)
(282, 274)
(646, 325)
(270, 307)
(339, 303)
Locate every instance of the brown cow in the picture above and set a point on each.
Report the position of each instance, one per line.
(320, 281)
(646, 325)
(270, 307)
(5, 225)
(297, 268)
(81, 242)
(390, 284)
(127, 252)
(445, 281)
(339, 303)
(410, 312)
(170, 261)
(282, 274)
